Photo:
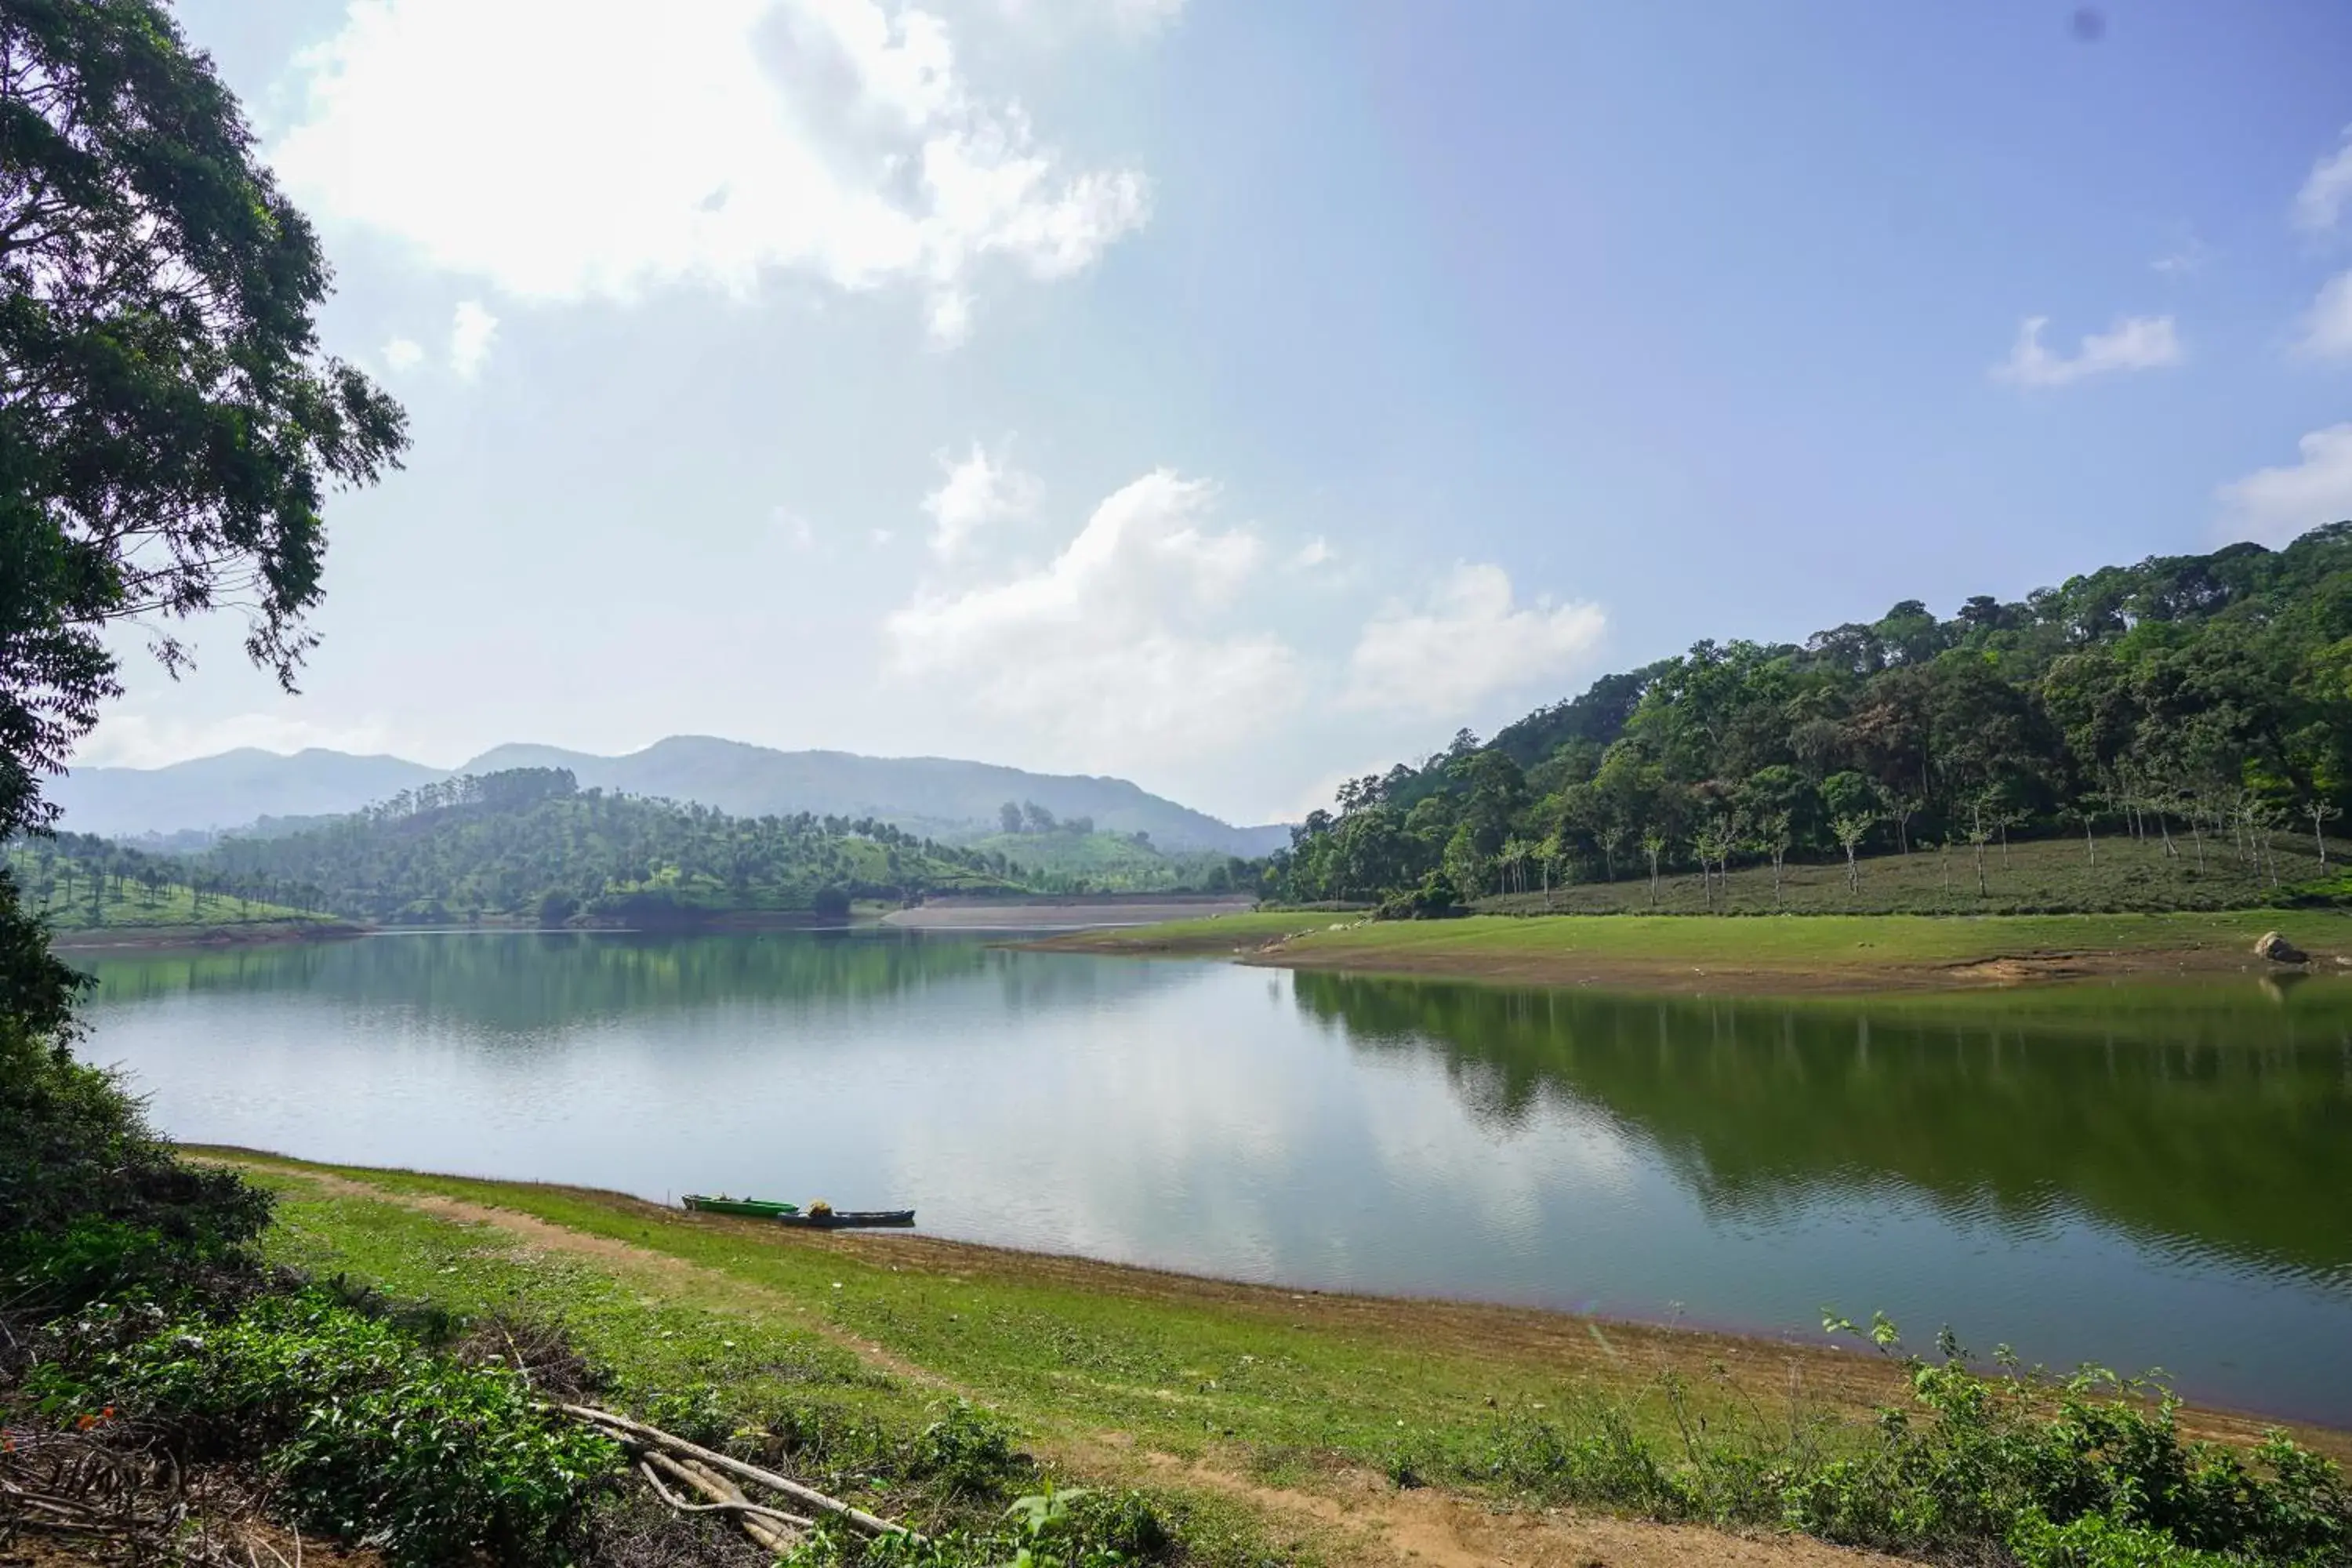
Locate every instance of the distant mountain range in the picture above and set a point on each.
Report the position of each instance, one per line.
(935, 796)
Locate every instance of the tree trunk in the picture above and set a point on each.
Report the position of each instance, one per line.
(2089, 843)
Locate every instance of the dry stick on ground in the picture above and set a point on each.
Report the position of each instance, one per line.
(655, 1436)
(727, 1498)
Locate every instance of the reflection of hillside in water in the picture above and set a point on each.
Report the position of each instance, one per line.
(2215, 1119)
(540, 983)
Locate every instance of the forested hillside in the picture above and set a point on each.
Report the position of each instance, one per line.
(2206, 696)
(529, 844)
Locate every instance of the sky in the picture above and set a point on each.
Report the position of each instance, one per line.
(1238, 398)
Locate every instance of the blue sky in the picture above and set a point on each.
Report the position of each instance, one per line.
(1235, 397)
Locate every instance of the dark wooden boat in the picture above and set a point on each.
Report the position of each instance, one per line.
(846, 1220)
(750, 1209)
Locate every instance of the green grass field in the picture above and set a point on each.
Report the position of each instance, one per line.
(128, 905)
(2040, 875)
(1266, 1425)
(1831, 945)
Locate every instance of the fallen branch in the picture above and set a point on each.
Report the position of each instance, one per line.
(648, 1436)
(730, 1499)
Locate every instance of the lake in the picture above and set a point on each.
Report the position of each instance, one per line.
(2146, 1177)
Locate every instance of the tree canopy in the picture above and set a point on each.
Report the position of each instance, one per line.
(169, 427)
(2197, 690)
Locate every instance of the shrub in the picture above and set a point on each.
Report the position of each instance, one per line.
(373, 1438)
(92, 1201)
(968, 1454)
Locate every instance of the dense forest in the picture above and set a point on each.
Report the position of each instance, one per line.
(2202, 697)
(529, 844)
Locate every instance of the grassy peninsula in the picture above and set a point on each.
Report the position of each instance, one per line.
(1765, 954)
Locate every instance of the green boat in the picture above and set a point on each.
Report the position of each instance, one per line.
(750, 1209)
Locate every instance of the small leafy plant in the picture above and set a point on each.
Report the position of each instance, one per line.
(373, 1437)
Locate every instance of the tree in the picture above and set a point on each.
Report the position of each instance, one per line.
(1849, 832)
(2322, 812)
(1654, 844)
(1037, 817)
(1775, 834)
(168, 426)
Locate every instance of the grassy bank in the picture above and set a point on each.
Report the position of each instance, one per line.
(1262, 1424)
(1765, 952)
(2044, 876)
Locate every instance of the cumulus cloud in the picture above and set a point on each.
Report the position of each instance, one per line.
(2275, 505)
(1120, 646)
(979, 490)
(2136, 342)
(1316, 551)
(565, 150)
(402, 353)
(471, 332)
(2320, 204)
(1468, 642)
(2327, 325)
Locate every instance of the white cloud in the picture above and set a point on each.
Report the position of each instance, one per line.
(2136, 342)
(2327, 325)
(402, 353)
(796, 530)
(1316, 551)
(981, 488)
(2320, 203)
(125, 740)
(948, 318)
(566, 149)
(471, 332)
(1119, 646)
(1467, 643)
(2190, 257)
(2275, 505)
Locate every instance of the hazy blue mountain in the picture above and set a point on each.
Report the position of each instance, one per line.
(229, 791)
(927, 794)
(936, 796)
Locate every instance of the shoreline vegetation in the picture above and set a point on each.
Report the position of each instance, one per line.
(1251, 1423)
(1760, 954)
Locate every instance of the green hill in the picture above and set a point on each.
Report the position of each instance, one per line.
(529, 844)
(1078, 859)
(79, 882)
(2197, 704)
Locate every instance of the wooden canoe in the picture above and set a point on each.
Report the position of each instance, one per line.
(846, 1220)
(751, 1208)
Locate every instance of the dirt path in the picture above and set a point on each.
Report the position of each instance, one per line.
(641, 1265)
(1358, 1513)
(1429, 1528)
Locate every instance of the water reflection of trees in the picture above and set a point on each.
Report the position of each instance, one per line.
(2207, 1119)
(536, 982)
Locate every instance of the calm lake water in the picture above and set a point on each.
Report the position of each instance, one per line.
(2140, 1177)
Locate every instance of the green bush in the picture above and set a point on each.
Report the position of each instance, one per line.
(967, 1454)
(373, 1438)
(2097, 1540)
(92, 1203)
(2002, 1457)
(1077, 1529)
